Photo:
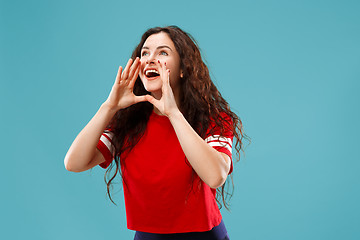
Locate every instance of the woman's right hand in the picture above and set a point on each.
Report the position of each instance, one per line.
(122, 95)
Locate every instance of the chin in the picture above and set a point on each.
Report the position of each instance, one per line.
(153, 86)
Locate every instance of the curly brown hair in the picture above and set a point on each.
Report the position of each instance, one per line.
(200, 103)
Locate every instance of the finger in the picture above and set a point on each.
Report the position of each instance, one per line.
(166, 80)
(152, 100)
(118, 78)
(166, 73)
(168, 76)
(125, 74)
(163, 72)
(135, 76)
(134, 67)
(166, 88)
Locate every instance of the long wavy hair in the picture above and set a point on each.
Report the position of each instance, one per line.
(200, 103)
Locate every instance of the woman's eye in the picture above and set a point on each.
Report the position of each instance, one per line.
(163, 53)
(144, 54)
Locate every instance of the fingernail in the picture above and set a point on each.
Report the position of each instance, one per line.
(158, 61)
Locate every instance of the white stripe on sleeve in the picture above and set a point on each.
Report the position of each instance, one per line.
(105, 138)
(219, 141)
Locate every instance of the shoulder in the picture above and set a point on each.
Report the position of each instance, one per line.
(222, 124)
(223, 119)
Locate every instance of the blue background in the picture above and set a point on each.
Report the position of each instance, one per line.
(290, 69)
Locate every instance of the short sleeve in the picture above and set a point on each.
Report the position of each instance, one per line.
(106, 148)
(222, 142)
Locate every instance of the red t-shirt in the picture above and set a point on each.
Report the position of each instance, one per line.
(159, 182)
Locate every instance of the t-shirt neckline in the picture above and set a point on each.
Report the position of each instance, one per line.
(159, 117)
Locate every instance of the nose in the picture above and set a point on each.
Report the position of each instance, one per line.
(151, 59)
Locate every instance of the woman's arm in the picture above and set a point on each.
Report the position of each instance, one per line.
(83, 153)
(210, 165)
(83, 150)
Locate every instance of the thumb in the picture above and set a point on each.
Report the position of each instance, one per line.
(140, 99)
(152, 100)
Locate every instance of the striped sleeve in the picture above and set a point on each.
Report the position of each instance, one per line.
(223, 142)
(106, 148)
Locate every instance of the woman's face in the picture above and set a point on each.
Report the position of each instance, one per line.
(159, 47)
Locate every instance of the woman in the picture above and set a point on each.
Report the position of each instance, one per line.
(169, 132)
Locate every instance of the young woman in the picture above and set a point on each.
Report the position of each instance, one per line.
(169, 132)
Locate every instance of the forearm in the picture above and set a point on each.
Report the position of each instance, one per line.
(207, 162)
(83, 148)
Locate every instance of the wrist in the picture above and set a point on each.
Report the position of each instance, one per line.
(174, 115)
(108, 108)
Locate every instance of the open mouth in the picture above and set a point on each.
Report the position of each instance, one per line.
(152, 73)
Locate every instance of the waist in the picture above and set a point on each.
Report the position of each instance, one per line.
(216, 233)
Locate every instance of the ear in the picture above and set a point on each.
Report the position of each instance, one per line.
(181, 74)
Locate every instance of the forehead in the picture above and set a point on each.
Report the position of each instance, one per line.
(159, 39)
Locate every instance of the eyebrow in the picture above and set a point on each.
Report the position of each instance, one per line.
(163, 46)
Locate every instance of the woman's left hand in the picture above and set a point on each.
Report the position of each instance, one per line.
(166, 104)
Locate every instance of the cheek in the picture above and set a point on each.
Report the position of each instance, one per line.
(142, 67)
(173, 68)
(173, 65)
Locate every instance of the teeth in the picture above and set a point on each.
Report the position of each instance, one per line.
(152, 70)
